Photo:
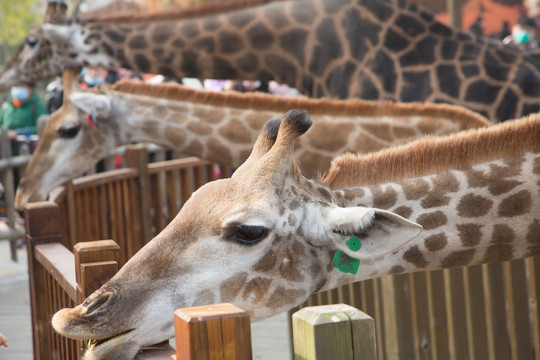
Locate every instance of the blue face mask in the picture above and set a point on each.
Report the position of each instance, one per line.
(521, 36)
(20, 93)
(93, 81)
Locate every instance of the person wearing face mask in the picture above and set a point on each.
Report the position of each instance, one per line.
(523, 34)
(21, 110)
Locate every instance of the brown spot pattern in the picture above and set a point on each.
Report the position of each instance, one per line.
(258, 287)
(199, 128)
(436, 242)
(458, 258)
(218, 152)
(533, 238)
(292, 220)
(231, 287)
(267, 262)
(470, 234)
(396, 269)
(498, 252)
(404, 211)
(432, 220)
(291, 270)
(175, 135)
(340, 133)
(384, 198)
(442, 185)
(516, 204)
(415, 189)
(282, 297)
(472, 205)
(496, 180)
(503, 234)
(236, 132)
(415, 256)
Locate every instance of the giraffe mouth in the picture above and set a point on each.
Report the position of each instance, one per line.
(92, 344)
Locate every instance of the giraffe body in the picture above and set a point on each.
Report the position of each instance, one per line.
(264, 239)
(217, 127)
(375, 50)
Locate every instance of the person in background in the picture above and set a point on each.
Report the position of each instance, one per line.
(478, 27)
(523, 34)
(505, 30)
(21, 110)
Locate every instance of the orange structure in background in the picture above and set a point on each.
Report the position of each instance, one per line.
(492, 12)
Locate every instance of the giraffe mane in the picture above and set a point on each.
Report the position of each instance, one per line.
(259, 101)
(430, 154)
(205, 9)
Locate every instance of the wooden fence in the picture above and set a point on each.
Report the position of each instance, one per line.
(482, 312)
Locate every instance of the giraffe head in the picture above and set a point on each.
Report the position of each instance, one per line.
(263, 240)
(45, 50)
(71, 141)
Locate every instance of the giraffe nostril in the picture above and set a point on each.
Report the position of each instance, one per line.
(98, 302)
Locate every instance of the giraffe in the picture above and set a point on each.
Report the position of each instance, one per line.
(375, 50)
(217, 127)
(268, 237)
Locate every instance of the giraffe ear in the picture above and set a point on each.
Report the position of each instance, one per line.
(378, 232)
(98, 104)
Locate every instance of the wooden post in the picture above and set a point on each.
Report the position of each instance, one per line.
(137, 157)
(217, 332)
(337, 332)
(455, 14)
(42, 227)
(9, 188)
(95, 263)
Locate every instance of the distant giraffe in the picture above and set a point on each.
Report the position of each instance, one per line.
(376, 50)
(267, 238)
(220, 127)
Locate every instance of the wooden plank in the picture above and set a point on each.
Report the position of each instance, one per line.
(220, 332)
(533, 265)
(137, 157)
(103, 178)
(474, 288)
(42, 227)
(439, 328)
(496, 311)
(404, 319)
(521, 330)
(338, 332)
(184, 163)
(95, 263)
(422, 318)
(457, 314)
(59, 263)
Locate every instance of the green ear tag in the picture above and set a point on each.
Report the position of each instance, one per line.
(345, 263)
(354, 244)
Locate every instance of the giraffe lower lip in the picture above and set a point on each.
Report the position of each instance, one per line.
(93, 344)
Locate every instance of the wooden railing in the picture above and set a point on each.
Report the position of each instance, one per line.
(130, 205)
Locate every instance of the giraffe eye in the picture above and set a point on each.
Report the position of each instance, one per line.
(247, 234)
(68, 131)
(31, 41)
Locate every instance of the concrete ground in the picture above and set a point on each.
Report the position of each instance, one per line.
(270, 337)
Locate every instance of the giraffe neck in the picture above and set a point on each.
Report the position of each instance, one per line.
(325, 48)
(222, 127)
(477, 212)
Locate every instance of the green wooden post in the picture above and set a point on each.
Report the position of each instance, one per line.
(338, 332)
